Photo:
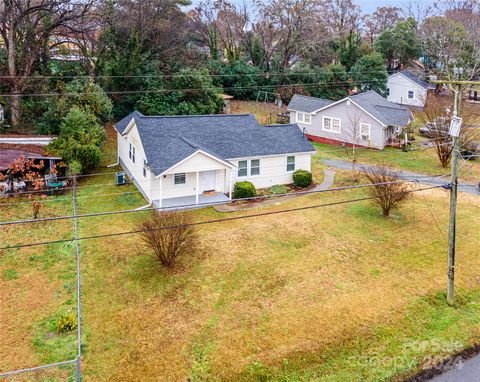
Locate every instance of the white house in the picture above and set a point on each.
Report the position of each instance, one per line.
(406, 88)
(191, 160)
(365, 119)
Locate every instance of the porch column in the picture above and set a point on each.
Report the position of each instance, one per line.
(231, 184)
(160, 191)
(196, 191)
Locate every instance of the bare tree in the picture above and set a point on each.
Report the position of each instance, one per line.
(383, 18)
(418, 10)
(354, 134)
(388, 191)
(342, 17)
(168, 234)
(436, 116)
(26, 27)
(296, 22)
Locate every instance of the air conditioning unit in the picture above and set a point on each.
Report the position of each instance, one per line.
(120, 178)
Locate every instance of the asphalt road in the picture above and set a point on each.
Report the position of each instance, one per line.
(466, 371)
(407, 175)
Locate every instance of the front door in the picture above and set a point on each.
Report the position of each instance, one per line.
(208, 181)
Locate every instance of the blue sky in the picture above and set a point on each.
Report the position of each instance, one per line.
(369, 6)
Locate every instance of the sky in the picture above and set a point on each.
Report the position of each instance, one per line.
(369, 6)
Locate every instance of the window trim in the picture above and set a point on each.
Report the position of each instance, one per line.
(179, 175)
(413, 94)
(251, 166)
(144, 168)
(369, 126)
(130, 150)
(242, 168)
(331, 124)
(298, 113)
(293, 163)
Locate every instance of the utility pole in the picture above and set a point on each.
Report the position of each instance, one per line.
(452, 228)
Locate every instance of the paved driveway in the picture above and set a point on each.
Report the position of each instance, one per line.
(469, 371)
(406, 175)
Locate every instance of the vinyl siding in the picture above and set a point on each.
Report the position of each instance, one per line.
(349, 115)
(399, 87)
(135, 170)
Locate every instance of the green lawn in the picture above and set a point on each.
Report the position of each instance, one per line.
(419, 159)
(331, 294)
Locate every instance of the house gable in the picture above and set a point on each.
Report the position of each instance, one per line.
(198, 161)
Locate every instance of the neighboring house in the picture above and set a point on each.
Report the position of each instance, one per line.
(182, 160)
(406, 88)
(365, 119)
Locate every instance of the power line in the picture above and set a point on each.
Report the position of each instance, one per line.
(214, 88)
(97, 214)
(204, 222)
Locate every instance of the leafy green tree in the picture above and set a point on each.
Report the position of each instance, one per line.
(85, 95)
(190, 91)
(80, 140)
(370, 74)
(333, 82)
(239, 79)
(400, 43)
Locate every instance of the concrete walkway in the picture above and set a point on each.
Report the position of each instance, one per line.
(406, 175)
(328, 178)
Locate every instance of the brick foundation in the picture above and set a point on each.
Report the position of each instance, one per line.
(329, 141)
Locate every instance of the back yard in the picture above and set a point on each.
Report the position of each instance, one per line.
(328, 294)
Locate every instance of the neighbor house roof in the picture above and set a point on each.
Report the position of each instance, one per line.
(379, 107)
(413, 77)
(169, 139)
(389, 113)
(307, 104)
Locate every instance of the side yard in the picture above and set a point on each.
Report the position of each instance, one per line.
(329, 294)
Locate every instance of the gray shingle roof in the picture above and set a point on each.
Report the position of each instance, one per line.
(416, 79)
(307, 104)
(389, 113)
(169, 139)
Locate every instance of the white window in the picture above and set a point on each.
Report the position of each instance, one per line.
(365, 131)
(388, 91)
(255, 167)
(133, 154)
(290, 164)
(410, 94)
(144, 168)
(179, 178)
(304, 118)
(331, 124)
(242, 168)
(130, 150)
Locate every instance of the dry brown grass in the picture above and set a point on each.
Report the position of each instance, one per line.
(265, 112)
(264, 289)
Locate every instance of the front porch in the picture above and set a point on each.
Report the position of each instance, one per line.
(188, 202)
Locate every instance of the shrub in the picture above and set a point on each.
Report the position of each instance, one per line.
(81, 139)
(279, 189)
(169, 243)
(302, 178)
(66, 323)
(388, 191)
(243, 190)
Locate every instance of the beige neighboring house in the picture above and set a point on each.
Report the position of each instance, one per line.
(365, 119)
